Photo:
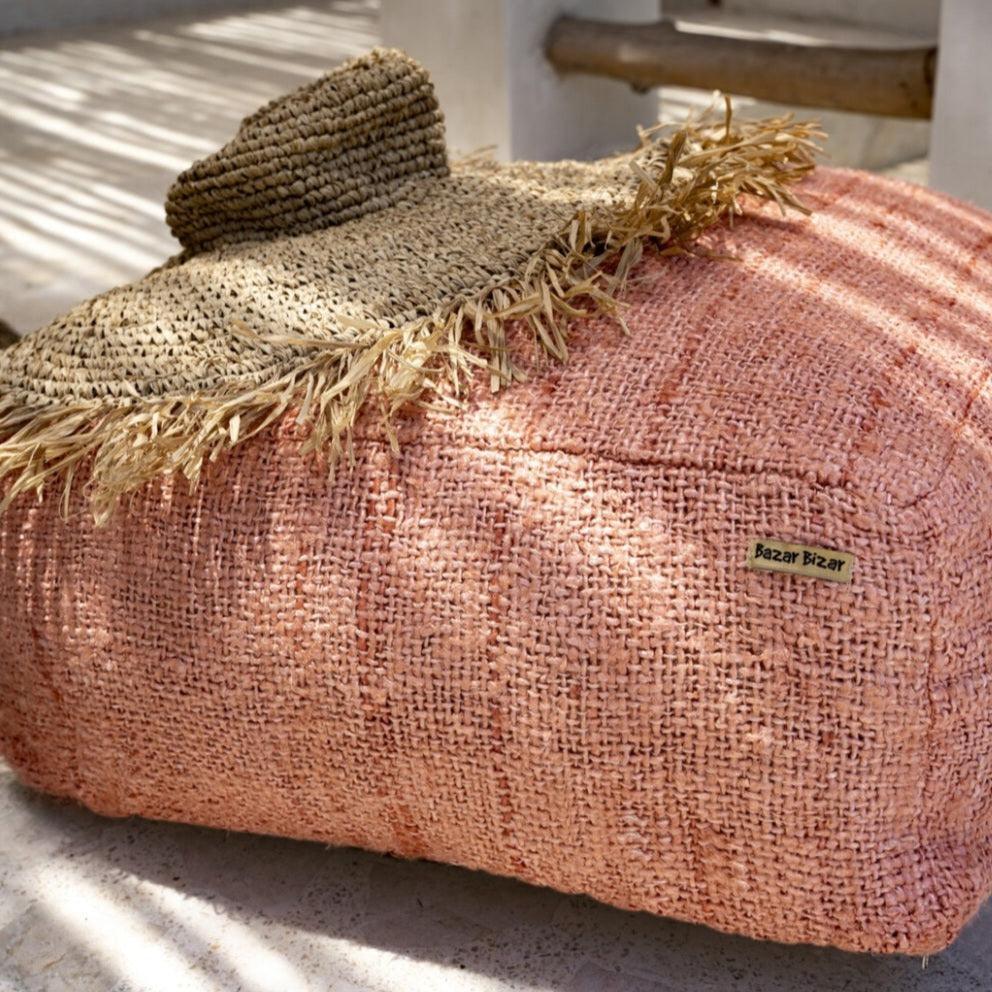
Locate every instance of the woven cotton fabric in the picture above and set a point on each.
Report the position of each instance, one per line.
(528, 642)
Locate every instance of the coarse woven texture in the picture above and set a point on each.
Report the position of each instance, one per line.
(332, 261)
(346, 145)
(528, 643)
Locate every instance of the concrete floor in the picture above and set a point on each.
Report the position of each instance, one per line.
(93, 127)
(95, 124)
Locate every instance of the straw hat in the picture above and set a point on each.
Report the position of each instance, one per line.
(333, 260)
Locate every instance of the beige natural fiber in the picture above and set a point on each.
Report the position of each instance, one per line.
(333, 261)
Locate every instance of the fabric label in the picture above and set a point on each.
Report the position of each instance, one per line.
(800, 559)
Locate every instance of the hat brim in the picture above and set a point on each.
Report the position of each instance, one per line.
(175, 331)
(200, 353)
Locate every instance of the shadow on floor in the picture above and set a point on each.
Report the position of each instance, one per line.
(97, 122)
(91, 903)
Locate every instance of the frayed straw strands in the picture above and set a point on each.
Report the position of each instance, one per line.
(333, 262)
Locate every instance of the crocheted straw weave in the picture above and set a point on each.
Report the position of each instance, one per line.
(528, 643)
(333, 261)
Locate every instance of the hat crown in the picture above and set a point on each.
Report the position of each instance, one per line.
(343, 146)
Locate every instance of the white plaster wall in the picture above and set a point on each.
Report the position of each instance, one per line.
(915, 16)
(496, 87)
(961, 149)
(573, 116)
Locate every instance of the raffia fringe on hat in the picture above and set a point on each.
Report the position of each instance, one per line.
(687, 181)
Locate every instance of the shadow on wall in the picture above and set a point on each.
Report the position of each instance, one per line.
(95, 126)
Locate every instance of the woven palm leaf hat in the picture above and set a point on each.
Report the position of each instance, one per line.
(334, 261)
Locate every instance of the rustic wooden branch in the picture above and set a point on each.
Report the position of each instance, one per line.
(892, 82)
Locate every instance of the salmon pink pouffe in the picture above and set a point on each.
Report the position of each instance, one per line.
(610, 546)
